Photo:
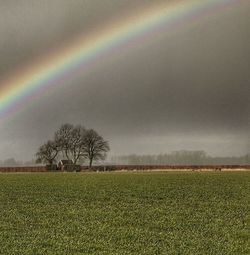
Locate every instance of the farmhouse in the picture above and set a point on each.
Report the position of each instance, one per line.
(65, 165)
(68, 165)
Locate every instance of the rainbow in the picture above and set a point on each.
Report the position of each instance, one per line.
(81, 54)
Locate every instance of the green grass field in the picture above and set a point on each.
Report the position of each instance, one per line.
(125, 213)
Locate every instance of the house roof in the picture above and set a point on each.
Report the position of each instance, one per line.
(66, 161)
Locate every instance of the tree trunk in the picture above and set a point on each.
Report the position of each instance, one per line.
(66, 154)
(90, 163)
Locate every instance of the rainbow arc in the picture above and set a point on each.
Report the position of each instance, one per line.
(83, 53)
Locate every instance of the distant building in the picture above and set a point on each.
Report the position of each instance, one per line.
(67, 165)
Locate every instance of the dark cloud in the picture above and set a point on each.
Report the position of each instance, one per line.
(186, 88)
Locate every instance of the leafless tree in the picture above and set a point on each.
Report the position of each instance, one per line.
(63, 138)
(70, 141)
(95, 147)
(47, 153)
(77, 143)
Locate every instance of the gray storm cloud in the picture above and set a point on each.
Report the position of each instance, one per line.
(186, 88)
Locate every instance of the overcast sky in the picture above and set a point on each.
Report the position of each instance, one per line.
(186, 88)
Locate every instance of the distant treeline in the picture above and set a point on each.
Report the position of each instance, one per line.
(13, 162)
(183, 157)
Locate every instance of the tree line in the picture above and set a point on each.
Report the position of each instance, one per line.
(73, 143)
(182, 157)
(13, 162)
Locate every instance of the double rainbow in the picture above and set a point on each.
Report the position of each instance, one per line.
(83, 53)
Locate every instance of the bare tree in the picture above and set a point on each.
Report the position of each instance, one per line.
(47, 153)
(70, 141)
(77, 143)
(95, 147)
(63, 138)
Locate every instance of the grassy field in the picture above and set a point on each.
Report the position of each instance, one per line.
(125, 213)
